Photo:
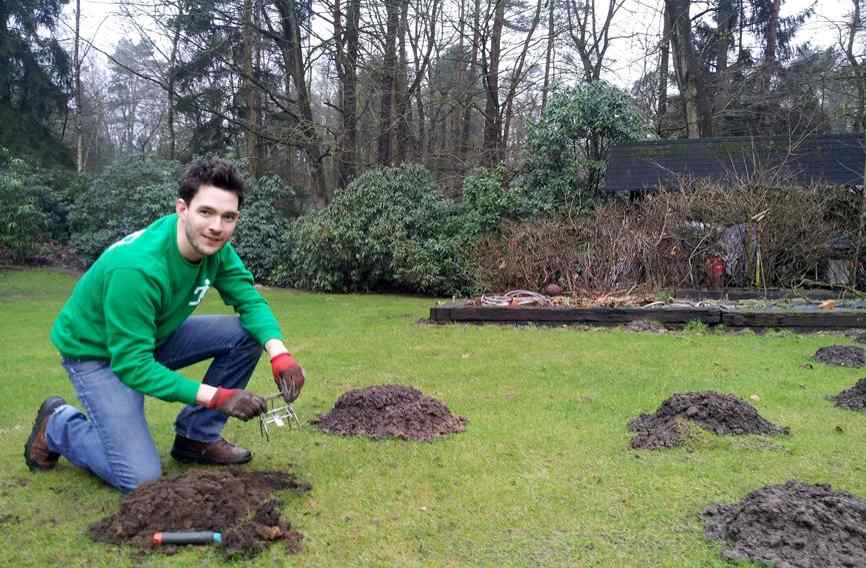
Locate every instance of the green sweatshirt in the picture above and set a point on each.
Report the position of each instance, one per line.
(138, 293)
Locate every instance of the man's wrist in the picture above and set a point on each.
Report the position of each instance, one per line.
(205, 395)
(275, 347)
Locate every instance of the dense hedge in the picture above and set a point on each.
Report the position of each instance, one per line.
(262, 233)
(386, 230)
(131, 194)
(126, 197)
(391, 229)
(36, 202)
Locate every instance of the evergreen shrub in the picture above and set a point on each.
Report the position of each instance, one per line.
(126, 197)
(37, 201)
(390, 229)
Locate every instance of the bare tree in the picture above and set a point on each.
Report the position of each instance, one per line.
(548, 54)
(490, 59)
(293, 62)
(346, 58)
(76, 62)
(518, 75)
(590, 33)
(689, 79)
(663, 72)
(847, 43)
(389, 75)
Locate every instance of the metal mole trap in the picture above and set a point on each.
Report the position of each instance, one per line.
(279, 415)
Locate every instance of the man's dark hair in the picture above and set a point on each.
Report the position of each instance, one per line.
(211, 171)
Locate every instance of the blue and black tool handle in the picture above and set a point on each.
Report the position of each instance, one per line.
(187, 537)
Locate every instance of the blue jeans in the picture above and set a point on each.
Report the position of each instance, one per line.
(113, 441)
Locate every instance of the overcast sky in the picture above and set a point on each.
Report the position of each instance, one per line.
(641, 22)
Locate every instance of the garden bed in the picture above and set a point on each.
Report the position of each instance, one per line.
(736, 309)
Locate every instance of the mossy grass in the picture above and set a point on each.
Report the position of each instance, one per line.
(543, 475)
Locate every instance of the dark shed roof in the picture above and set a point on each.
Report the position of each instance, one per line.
(835, 160)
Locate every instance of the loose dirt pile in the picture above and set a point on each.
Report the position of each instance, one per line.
(237, 503)
(389, 411)
(853, 398)
(722, 414)
(792, 525)
(842, 355)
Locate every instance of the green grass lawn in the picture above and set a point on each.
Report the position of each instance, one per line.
(543, 474)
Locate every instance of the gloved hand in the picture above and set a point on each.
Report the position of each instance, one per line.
(288, 375)
(238, 403)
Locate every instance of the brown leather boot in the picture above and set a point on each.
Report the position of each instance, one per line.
(214, 453)
(36, 452)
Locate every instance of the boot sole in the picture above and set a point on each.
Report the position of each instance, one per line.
(197, 459)
(47, 408)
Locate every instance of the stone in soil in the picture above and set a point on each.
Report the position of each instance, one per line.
(389, 411)
(646, 325)
(842, 355)
(794, 525)
(853, 398)
(238, 503)
(722, 414)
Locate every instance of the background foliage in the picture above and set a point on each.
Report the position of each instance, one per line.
(567, 146)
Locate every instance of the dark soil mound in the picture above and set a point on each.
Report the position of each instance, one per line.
(843, 355)
(720, 413)
(237, 503)
(853, 398)
(389, 411)
(792, 525)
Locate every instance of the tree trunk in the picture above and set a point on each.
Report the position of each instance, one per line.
(389, 74)
(401, 93)
(698, 112)
(517, 76)
(76, 62)
(170, 83)
(470, 84)
(663, 72)
(548, 56)
(772, 34)
(347, 68)
(310, 143)
(492, 145)
(726, 19)
(857, 67)
(250, 91)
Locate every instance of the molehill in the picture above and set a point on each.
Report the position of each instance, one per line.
(722, 414)
(853, 398)
(794, 525)
(841, 355)
(389, 411)
(239, 504)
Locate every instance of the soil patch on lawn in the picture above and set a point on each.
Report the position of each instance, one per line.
(842, 355)
(390, 411)
(794, 525)
(722, 414)
(239, 504)
(853, 398)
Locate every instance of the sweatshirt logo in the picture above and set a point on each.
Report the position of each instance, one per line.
(199, 293)
(127, 239)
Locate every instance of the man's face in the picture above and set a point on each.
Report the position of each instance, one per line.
(207, 222)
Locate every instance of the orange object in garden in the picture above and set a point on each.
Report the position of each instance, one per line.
(716, 271)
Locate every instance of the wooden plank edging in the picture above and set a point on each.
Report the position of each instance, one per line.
(462, 313)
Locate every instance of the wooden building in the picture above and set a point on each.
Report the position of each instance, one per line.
(646, 166)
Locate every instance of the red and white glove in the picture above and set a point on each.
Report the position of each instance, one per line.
(288, 375)
(237, 403)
